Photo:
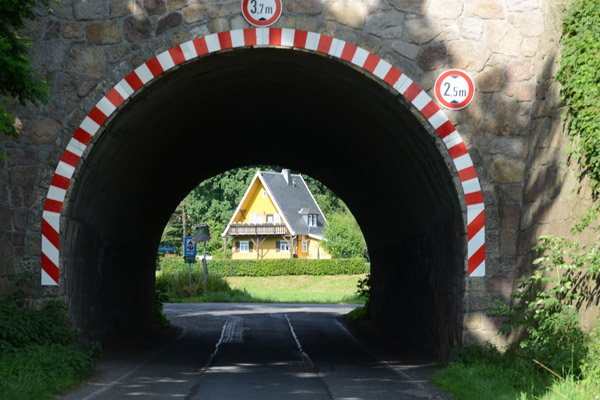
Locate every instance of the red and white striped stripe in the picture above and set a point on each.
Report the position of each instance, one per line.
(261, 37)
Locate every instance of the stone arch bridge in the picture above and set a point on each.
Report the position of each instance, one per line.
(450, 202)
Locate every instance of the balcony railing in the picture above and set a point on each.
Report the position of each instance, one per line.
(257, 230)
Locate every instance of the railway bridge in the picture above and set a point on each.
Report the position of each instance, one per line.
(450, 201)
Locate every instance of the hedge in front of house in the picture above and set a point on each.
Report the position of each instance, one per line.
(286, 266)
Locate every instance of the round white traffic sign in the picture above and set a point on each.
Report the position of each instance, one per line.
(454, 89)
(261, 12)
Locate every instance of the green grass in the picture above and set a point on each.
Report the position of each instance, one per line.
(333, 289)
(484, 373)
(42, 371)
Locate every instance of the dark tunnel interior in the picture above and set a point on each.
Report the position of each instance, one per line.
(299, 110)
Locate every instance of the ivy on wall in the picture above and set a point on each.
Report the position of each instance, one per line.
(579, 76)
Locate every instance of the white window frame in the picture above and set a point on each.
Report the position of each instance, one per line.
(244, 246)
(264, 193)
(272, 219)
(312, 220)
(305, 245)
(284, 246)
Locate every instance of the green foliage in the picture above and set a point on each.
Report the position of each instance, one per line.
(286, 266)
(160, 298)
(546, 305)
(343, 237)
(364, 291)
(579, 76)
(18, 79)
(175, 283)
(40, 354)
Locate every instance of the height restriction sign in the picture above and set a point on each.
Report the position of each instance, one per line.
(261, 13)
(454, 89)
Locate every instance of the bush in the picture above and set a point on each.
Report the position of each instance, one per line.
(176, 283)
(346, 266)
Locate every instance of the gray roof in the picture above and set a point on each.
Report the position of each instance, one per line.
(294, 200)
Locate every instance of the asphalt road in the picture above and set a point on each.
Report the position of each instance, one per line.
(261, 351)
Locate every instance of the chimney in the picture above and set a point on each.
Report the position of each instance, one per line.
(286, 175)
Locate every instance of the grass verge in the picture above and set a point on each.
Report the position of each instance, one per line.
(333, 289)
(484, 373)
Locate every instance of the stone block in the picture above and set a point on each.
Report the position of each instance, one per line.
(155, 7)
(445, 9)
(525, 91)
(510, 215)
(503, 38)
(432, 57)
(411, 6)
(506, 146)
(408, 50)
(421, 30)
(103, 33)
(21, 156)
(529, 23)
(508, 240)
(169, 22)
(89, 61)
(530, 46)
(219, 25)
(309, 7)
(53, 30)
(176, 4)
(86, 10)
(489, 80)
(121, 8)
(19, 219)
(180, 37)
(467, 55)
(484, 9)
(137, 28)
(51, 56)
(500, 119)
(506, 170)
(194, 13)
(518, 71)
(470, 28)
(389, 24)
(23, 176)
(117, 53)
(352, 14)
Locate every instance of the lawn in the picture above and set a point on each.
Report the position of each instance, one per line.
(300, 288)
(336, 289)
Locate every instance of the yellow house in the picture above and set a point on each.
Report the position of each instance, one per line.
(278, 217)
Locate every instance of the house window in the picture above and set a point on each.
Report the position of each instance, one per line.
(270, 218)
(304, 246)
(312, 220)
(264, 193)
(284, 246)
(244, 246)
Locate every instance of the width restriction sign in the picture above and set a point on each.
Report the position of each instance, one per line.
(454, 89)
(261, 13)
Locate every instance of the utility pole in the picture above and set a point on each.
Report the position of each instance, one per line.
(183, 221)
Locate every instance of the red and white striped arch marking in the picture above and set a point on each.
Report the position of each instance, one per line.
(261, 37)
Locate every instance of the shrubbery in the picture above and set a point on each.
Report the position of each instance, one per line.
(40, 353)
(345, 266)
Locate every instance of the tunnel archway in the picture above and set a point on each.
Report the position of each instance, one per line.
(249, 99)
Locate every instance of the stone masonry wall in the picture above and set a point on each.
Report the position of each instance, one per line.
(512, 128)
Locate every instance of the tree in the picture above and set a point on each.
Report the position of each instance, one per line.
(343, 237)
(18, 79)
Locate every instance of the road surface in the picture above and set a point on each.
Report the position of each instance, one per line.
(259, 351)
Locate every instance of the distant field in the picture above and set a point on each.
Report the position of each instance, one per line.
(336, 289)
(300, 288)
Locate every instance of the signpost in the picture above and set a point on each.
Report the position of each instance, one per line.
(261, 13)
(189, 253)
(202, 235)
(166, 248)
(454, 89)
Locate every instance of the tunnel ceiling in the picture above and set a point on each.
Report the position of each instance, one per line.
(264, 106)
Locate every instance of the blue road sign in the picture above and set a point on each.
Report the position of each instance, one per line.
(190, 247)
(166, 248)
